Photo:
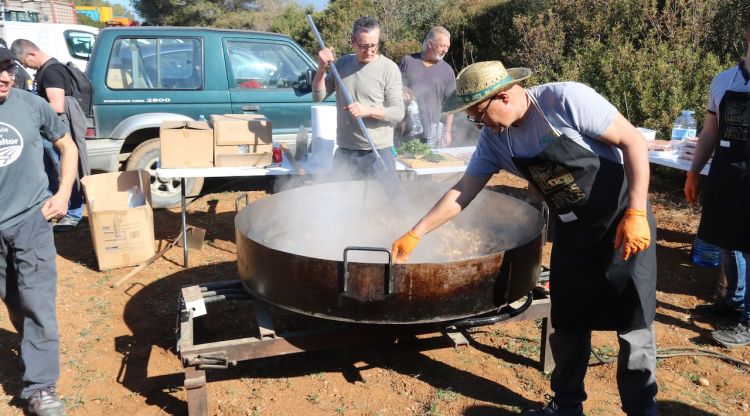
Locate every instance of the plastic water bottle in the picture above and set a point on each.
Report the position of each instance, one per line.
(684, 126)
(705, 255)
(435, 137)
(412, 119)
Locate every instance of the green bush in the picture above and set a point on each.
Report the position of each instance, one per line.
(649, 58)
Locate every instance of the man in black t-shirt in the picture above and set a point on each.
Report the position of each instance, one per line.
(22, 79)
(55, 84)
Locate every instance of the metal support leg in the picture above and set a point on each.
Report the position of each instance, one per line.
(184, 222)
(457, 338)
(195, 386)
(540, 309)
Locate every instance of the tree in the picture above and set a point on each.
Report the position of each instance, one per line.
(650, 58)
(87, 21)
(225, 13)
(335, 25)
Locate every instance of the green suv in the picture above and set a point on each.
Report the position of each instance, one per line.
(145, 75)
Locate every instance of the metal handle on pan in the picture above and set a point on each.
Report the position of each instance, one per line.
(387, 283)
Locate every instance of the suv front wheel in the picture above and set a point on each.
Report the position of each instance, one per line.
(165, 192)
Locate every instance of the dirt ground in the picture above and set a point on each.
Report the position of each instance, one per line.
(118, 345)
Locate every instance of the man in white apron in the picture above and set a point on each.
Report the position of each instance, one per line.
(591, 167)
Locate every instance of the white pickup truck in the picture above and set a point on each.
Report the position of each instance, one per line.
(66, 42)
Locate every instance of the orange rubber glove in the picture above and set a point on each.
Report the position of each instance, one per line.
(633, 233)
(691, 188)
(404, 245)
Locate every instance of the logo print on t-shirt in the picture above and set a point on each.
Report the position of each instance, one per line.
(11, 144)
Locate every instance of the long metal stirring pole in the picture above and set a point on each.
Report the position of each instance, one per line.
(344, 91)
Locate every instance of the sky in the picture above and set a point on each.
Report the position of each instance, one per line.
(319, 4)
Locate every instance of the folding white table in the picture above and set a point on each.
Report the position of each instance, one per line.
(669, 158)
(285, 168)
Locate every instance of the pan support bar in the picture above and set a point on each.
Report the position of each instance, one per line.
(268, 342)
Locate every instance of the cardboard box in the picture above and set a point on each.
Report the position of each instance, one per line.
(236, 129)
(186, 144)
(242, 140)
(243, 155)
(120, 217)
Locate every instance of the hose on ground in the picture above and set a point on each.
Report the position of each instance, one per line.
(669, 352)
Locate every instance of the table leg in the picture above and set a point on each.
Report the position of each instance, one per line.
(184, 222)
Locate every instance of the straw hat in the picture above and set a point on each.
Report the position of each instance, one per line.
(480, 81)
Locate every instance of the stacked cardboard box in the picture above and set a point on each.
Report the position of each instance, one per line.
(242, 140)
(120, 217)
(186, 144)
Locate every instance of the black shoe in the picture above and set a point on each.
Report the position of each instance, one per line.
(718, 310)
(65, 224)
(44, 402)
(733, 336)
(552, 409)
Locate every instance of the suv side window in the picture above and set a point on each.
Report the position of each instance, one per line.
(79, 43)
(156, 64)
(263, 65)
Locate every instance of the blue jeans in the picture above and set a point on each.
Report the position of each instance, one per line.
(735, 268)
(52, 168)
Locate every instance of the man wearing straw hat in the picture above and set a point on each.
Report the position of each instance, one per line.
(591, 166)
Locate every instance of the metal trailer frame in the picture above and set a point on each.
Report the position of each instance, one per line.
(197, 358)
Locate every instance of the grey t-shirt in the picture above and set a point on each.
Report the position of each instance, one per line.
(25, 120)
(573, 109)
(374, 84)
(430, 84)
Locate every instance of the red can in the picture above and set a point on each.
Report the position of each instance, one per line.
(276, 153)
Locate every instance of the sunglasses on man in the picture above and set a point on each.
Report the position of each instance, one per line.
(365, 48)
(479, 121)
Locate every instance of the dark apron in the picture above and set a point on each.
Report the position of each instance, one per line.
(725, 221)
(591, 286)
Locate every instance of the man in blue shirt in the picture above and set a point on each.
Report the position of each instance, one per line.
(591, 167)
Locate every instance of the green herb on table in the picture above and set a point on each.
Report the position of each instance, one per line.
(434, 157)
(414, 148)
